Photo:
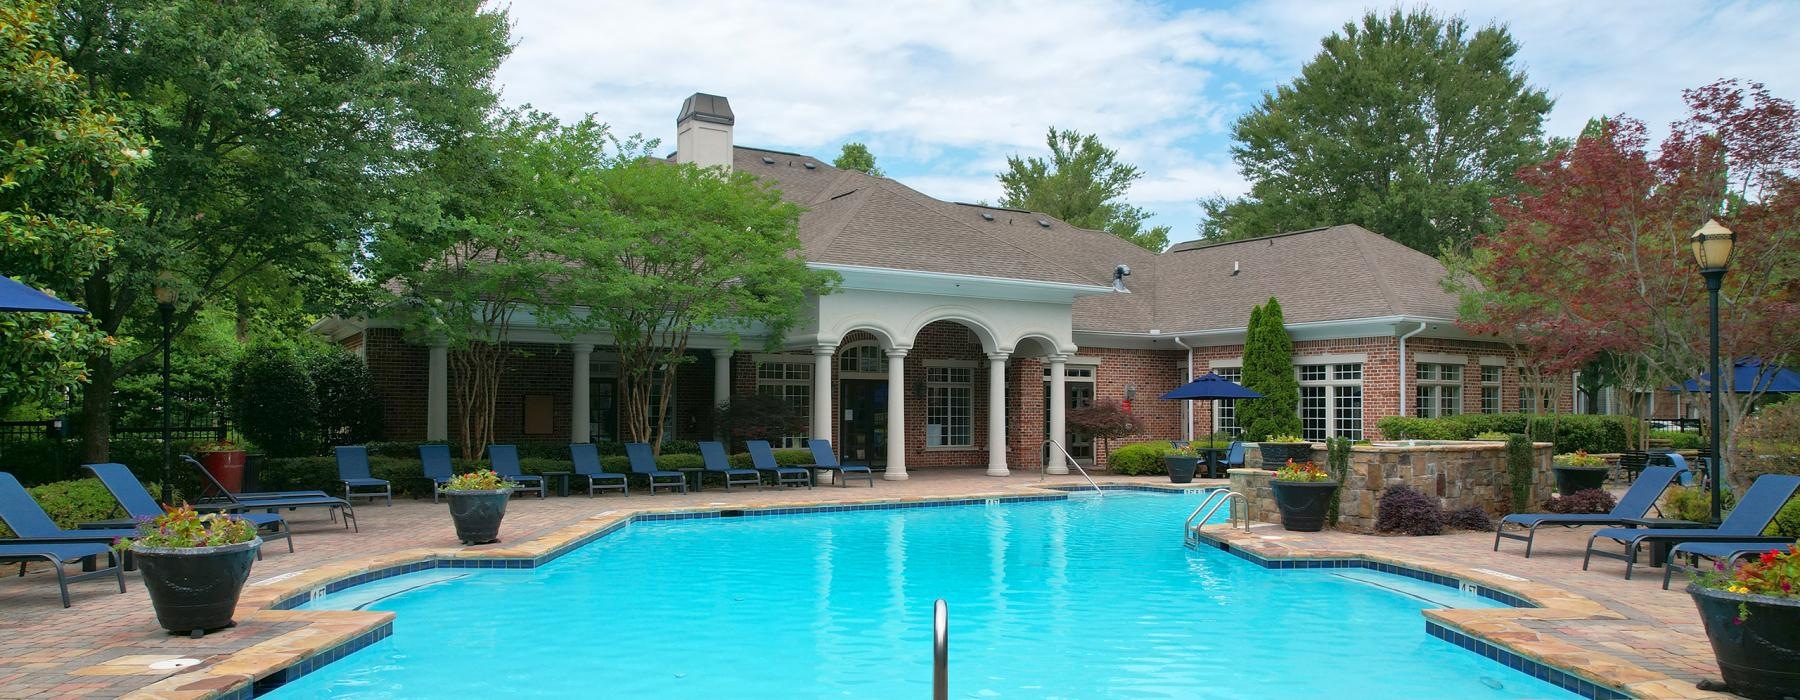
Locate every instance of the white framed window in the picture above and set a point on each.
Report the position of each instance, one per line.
(949, 406)
(1330, 400)
(1225, 410)
(1439, 389)
(865, 357)
(1490, 388)
(789, 379)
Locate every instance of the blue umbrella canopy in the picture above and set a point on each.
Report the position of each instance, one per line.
(1211, 386)
(15, 296)
(1749, 375)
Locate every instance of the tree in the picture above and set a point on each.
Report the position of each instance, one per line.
(1269, 370)
(672, 248)
(1406, 124)
(1594, 255)
(278, 125)
(856, 156)
(66, 154)
(1082, 183)
(275, 400)
(349, 410)
(1104, 421)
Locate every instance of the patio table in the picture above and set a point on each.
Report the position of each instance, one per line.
(1659, 549)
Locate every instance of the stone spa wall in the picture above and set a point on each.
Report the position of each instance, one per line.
(1459, 475)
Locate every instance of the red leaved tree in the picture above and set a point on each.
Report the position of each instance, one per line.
(1594, 255)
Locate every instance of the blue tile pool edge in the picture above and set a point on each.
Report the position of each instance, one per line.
(1536, 669)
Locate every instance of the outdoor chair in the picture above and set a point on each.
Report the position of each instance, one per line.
(1746, 522)
(1632, 463)
(585, 457)
(1683, 471)
(59, 553)
(826, 459)
(236, 503)
(1637, 501)
(505, 459)
(31, 525)
(1234, 458)
(434, 460)
(139, 504)
(353, 470)
(1726, 553)
(643, 462)
(717, 462)
(762, 458)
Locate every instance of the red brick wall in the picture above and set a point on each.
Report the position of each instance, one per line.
(401, 372)
(1154, 373)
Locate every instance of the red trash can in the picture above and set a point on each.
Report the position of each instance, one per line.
(227, 467)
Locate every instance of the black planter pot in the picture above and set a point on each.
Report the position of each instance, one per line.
(1572, 479)
(1275, 455)
(1303, 504)
(1181, 469)
(1759, 655)
(195, 589)
(477, 514)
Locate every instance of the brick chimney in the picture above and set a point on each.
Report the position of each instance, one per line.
(703, 131)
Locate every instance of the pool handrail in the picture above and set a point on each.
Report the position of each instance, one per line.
(1073, 463)
(940, 651)
(1214, 499)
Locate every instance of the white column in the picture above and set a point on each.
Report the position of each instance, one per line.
(721, 377)
(997, 414)
(896, 416)
(1058, 422)
(822, 415)
(437, 394)
(580, 401)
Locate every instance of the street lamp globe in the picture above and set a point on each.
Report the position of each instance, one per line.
(1712, 245)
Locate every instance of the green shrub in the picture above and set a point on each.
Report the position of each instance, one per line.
(1786, 522)
(786, 458)
(275, 401)
(1695, 503)
(1140, 458)
(1337, 458)
(41, 461)
(1269, 370)
(1518, 471)
(1678, 439)
(71, 503)
(1572, 431)
(1408, 428)
(1492, 436)
(679, 460)
(349, 411)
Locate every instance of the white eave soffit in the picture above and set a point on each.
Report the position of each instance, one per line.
(883, 279)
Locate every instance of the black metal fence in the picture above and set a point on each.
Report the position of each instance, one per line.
(16, 431)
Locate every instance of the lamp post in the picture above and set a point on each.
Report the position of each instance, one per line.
(165, 308)
(1712, 250)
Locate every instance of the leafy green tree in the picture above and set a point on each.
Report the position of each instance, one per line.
(1084, 183)
(349, 411)
(856, 156)
(275, 400)
(66, 153)
(1407, 124)
(279, 126)
(1269, 370)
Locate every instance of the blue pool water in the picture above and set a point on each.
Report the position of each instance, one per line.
(1085, 598)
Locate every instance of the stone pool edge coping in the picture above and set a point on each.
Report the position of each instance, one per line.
(329, 635)
(1495, 633)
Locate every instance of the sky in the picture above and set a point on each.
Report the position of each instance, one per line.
(943, 92)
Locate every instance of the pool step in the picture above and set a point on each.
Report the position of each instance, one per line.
(359, 597)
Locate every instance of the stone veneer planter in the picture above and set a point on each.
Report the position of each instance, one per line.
(1459, 474)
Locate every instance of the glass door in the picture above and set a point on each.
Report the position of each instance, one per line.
(864, 422)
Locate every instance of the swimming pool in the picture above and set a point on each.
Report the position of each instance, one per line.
(1079, 598)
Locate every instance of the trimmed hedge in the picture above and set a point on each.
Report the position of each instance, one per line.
(71, 503)
(1140, 458)
(1679, 440)
(786, 458)
(408, 477)
(1574, 431)
(541, 449)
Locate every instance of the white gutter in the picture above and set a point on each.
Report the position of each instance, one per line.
(1409, 334)
(1187, 407)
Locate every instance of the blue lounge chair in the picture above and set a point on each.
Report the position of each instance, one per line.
(763, 460)
(1726, 553)
(234, 503)
(139, 504)
(505, 459)
(1634, 504)
(1677, 461)
(717, 462)
(57, 554)
(353, 470)
(32, 525)
(826, 458)
(586, 459)
(1746, 522)
(643, 461)
(1234, 456)
(435, 461)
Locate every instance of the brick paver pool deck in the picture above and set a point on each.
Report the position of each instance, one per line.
(1630, 634)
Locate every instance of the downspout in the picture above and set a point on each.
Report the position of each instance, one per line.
(1187, 407)
(1409, 334)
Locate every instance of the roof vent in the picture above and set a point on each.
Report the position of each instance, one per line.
(1119, 274)
(1234, 268)
(810, 165)
(768, 161)
(986, 216)
(1044, 223)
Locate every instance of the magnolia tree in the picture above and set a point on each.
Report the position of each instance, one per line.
(1594, 257)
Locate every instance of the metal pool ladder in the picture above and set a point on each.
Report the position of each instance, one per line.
(940, 651)
(1190, 533)
(1073, 463)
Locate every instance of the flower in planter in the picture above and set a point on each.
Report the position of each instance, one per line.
(481, 480)
(1580, 458)
(1303, 471)
(1776, 574)
(1286, 438)
(1188, 450)
(182, 528)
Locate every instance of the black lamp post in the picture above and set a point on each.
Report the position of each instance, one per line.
(1712, 250)
(165, 308)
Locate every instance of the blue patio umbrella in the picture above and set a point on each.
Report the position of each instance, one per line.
(1211, 387)
(1749, 375)
(18, 297)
